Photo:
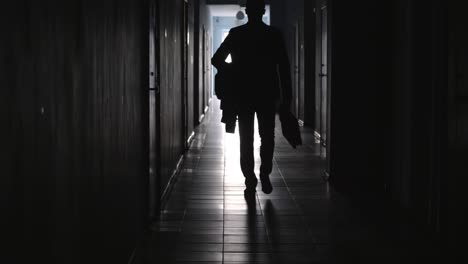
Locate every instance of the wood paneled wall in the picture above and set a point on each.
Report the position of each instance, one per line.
(171, 80)
(388, 96)
(74, 131)
(182, 104)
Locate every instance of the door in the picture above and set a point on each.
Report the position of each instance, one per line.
(296, 91)
(323, 79)
(154, 184)
(190, 71)
(302, 70)
(457, 130)
(184, 63)
(203, 92)
(299, 70)
(208, 70)
(309, 51)
(323, 76)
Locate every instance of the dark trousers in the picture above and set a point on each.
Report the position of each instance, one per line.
(266, 126)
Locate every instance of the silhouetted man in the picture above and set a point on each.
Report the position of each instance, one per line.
(259, 65)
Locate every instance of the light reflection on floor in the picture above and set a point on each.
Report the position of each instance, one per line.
(304, 220)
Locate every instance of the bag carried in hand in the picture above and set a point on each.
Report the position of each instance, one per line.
(290, 128)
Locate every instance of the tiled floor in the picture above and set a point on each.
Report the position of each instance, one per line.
(304, 220)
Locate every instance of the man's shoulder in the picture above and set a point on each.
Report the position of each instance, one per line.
(244, 28)
(237, 29)
(274, 30)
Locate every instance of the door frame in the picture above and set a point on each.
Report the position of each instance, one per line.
(184, 64)
(154, 184)
(296, 68)
(203, 88)
(323, 135)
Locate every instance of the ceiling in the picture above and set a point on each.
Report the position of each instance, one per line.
(228, 10)
(229, 2)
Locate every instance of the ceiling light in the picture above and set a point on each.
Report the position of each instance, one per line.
(240, 15)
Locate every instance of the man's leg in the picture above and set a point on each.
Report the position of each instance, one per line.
(246, 133)
(266, 126)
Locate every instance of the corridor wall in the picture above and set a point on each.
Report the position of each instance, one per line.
(203, 67)
(457, 130)
(74, 130)
(388, 94)
(181, 104)
(288, 16)
(386, 76)
(171, 89)
(416, 112)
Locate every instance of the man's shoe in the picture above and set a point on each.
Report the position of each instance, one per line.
(266, 184)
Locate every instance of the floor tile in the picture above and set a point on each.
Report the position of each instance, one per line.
(304, 220)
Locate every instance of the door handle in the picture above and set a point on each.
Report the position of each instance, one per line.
(322, 75)
(155, 89)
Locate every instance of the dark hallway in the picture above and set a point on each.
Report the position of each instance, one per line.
(304, 220)
(112, 148)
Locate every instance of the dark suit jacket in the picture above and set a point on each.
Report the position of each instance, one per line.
(260, 64)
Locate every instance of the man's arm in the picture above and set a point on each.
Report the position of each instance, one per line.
(284, 71)
(219, 58)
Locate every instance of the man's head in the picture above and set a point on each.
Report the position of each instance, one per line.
(255, 9)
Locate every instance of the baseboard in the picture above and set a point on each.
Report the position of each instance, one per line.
(326, 176)
(207, 108)
(201, 118)
(172, 181)
(190, 139)
(317, 135)
(132, 257)
(175, 174)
